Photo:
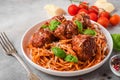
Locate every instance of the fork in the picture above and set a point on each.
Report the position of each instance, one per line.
(10, 50)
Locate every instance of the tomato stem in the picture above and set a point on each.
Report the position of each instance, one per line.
(70, 1)
(74, 1)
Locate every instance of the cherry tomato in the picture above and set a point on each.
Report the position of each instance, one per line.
(105, 14)
(73, 9)
(84, 2)
(103, 21)
(83, 10)
(93, 9)
(119, 20)
(93, 16)
(83, 5)
(115, 19)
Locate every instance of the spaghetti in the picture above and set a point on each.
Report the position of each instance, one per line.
(44, 57)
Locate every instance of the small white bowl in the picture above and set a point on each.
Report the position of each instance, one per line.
(27, 36)
(111, 67)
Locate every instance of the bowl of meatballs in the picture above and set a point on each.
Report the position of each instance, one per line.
(67, 46)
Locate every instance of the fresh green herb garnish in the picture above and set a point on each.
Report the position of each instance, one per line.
(71, 58)
(61, 54)
(53, 25)
(79, 25)
(89, 32)
(116, 41)
(44, 26)
(58, 52)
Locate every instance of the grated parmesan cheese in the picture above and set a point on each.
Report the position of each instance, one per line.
(54, 10)
(109, 7)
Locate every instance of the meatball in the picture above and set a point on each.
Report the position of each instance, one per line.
(42, 37)
(84, 46)
(66, 30)
(61, 19)
(83, 18)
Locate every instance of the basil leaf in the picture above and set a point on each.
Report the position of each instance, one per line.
(44, 26)
(58, 52)
(53, 25)
(79, 25)
(116, 41)
(71, 58)
(89, 32)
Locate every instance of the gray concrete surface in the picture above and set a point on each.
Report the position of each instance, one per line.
(16, 16)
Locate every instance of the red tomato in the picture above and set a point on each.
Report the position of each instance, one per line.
(83, 5)
(93, 16)
(105, 14)
(83, 10)
(84, 2)
(103, 21)
(73, 9)
(115, 19)
(93, 9)
(119, 20)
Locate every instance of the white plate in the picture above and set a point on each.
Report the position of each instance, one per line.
(27, 35)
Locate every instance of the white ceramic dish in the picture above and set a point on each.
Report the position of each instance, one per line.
(26, 38)
(111, 67)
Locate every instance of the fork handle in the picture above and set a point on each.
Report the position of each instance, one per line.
(22, 62)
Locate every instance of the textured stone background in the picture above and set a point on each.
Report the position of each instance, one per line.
(16, 16)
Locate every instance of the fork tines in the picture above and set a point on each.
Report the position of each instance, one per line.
(5, 43)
